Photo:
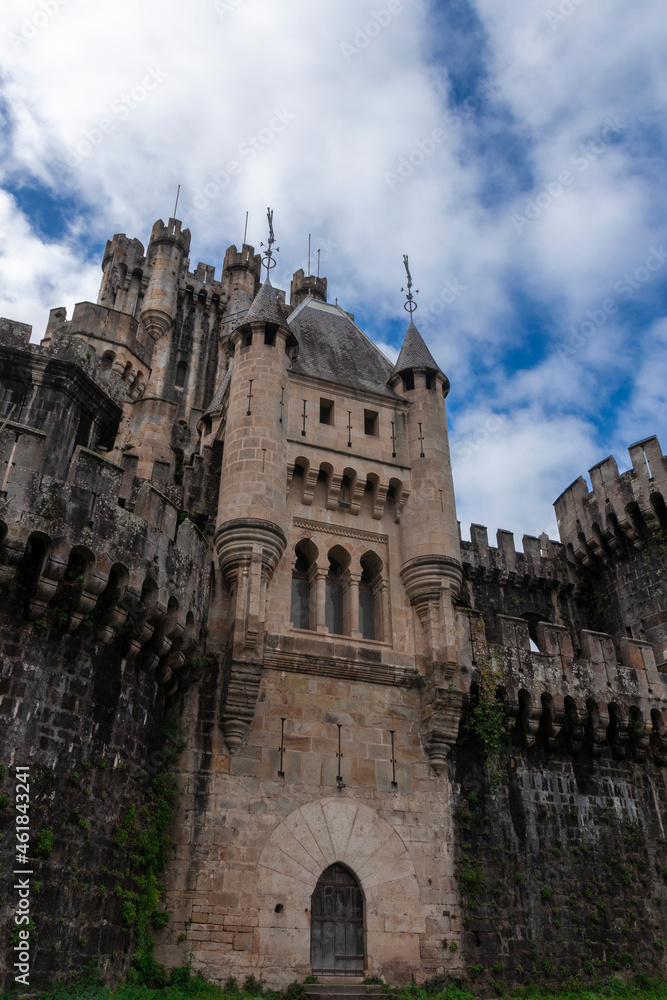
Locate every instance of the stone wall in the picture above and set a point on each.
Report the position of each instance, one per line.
(251, 844)
(562, 871)
(88, 725)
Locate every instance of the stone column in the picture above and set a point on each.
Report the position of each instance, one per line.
(319, 578)
(382, 612)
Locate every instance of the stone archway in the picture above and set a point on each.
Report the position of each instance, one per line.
(300, 849)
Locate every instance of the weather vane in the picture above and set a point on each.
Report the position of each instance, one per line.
(267, 259)
(410, 305)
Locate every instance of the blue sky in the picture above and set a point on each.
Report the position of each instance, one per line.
(515, 151)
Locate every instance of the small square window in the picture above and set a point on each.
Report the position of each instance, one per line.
(326, 411)
(371, 422)
(270, 338)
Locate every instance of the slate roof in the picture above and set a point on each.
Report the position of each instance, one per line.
(216, 403)
(332, 347)
(265, 307)
(414, 353)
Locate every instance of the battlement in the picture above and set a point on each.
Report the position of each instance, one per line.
(304, 285)
(203, 286)
(205, 273)
(542, 561)
(74, 558)
(172, 234)
(600, 524)
(244, 258)
(119, 247)
(614, 700)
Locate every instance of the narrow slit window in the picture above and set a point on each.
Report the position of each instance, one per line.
(334, 598)
(181, 371)
(300, 593)
(366, 606)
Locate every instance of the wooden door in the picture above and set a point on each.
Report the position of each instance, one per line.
(337, 924)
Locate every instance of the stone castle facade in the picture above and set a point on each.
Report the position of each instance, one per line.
(233, 510)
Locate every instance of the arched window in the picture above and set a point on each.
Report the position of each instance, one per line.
(306, 554)
(300, 593)
(334, 597)
(181, 370)
(370, 601)
(366, 605)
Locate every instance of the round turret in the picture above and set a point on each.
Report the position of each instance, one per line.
(303, 285)
(242, 271)
(252, 482)
(429, 528)
(167, 248)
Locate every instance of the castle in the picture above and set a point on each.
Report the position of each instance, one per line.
(233, 510)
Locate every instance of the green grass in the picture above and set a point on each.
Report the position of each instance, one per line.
(641, 987)
(184, 985)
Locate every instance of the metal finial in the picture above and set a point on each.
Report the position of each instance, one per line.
(410, 305)
(267, 259)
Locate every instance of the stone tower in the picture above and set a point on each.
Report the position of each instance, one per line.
(251, 528)
(431, 569)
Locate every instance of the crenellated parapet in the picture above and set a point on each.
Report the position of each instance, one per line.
(73, 558)
(542, 564)
(603, 523)
(64, 391)
(303, 285)
(571, 696)
(123, 267)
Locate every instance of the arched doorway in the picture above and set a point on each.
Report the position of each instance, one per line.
(337, 924)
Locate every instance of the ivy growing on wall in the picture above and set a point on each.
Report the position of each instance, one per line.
(486, 722)
(143, 840)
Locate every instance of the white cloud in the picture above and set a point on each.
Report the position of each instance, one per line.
(316, 104)
(36, 276)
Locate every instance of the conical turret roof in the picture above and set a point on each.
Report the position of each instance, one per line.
(265, 307)
(414, 353)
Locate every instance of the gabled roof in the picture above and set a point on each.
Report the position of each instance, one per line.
(414, 353)
(334, 348)
(265, 307)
